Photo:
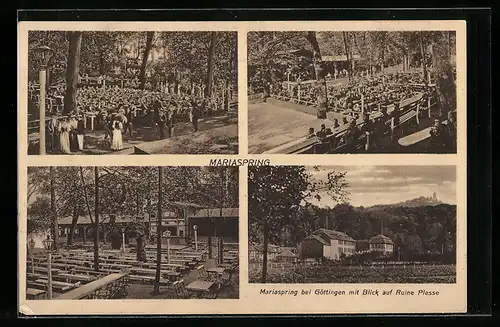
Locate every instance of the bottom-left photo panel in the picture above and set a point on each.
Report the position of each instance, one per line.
(123, 232)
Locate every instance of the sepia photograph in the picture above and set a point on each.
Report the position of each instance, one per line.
(352, 92)
(132, 233)
(114, 92)
(352, 224)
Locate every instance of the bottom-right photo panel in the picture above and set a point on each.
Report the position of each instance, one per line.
(352, 224)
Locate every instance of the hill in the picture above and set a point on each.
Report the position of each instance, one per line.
(421, 201)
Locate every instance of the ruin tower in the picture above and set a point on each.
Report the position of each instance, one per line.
(434, 197)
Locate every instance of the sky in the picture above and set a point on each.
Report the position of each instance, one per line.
(372, 185)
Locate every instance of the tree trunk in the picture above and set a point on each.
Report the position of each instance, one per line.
(74, 222)
(264, 254)
(55, 225)
(158, 233)
(347, 53)
(72, 70)
(147, 50)
(382, 52)
(320, 71)
(96, 219)
(448, 44)
(422, 54)
(445, 86)
(141, 254)
(210, 65)
(101, 63)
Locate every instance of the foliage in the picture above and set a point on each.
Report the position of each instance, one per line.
(278, 195)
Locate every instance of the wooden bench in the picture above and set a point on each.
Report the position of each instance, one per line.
(60, 286)
(46, 270)
(33, 276)
(77, 277)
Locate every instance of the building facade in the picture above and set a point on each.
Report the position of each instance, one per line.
(327, 243)
(382, 244)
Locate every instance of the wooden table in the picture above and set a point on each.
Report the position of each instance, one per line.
(200, 287)
(34, 294)
(217, 270)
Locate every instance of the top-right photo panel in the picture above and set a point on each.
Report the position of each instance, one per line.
(352, 92)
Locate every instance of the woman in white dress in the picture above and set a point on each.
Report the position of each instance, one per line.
(117, 143)
(64, 129)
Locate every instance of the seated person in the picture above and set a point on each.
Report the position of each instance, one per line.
(311, 133)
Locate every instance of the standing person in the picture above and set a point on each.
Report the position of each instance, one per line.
(73, 137)
(194, 114)
(438, 137)
(64, 129)
(117, 143)
(128, 125)
(451, 127)
(51, 129)
(80, 133)
(107, 122)
(158, 121)
(161, 124)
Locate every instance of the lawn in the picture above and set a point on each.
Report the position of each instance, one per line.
(418, 274)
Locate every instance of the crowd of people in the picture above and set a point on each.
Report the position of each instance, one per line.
(377, 94)
(122, 110)
(381, 90)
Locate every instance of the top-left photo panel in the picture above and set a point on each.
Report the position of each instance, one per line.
(132, 92)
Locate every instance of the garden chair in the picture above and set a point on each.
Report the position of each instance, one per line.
(180, 290)
(203, 274)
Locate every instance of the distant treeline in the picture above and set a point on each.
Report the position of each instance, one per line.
(424, 233)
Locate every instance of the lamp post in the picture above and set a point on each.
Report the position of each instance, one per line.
(48, 244)
(123, 240)
(168, 233)
(31, 245)
(195, 228)
(43, 55)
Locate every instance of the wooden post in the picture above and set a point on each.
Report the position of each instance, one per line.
(42, 76)
(392, 127)
(196, 240)
(418, 113)
(429, 106)
(298, 91)
(362, 105)
(49, 276)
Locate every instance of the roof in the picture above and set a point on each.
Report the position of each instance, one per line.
(334, 235)
(317, 238)
(215, 213)
(381, 239)
(287, 253)
(85, 219)
(271, 248)
(339, 58)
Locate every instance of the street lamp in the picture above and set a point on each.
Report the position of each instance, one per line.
(48, 244)
(42, 55)
(195, 228)
(31, 245)
(168, 233)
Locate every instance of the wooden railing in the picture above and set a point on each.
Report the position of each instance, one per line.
(107, 287)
